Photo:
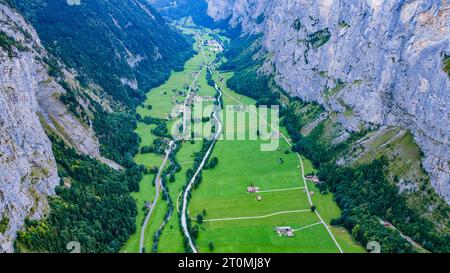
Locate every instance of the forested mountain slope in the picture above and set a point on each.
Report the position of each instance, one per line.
(184, 8)
(71, 76)
(125, 47)
(197, 10)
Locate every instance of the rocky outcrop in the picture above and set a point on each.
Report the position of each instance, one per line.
(30, 106)
(28, 171)
(374, 62)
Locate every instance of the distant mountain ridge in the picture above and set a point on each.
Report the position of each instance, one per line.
(198, 11)
(176, 9)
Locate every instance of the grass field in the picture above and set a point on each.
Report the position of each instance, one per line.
(163, 99)
(222, 194)
(257, 235)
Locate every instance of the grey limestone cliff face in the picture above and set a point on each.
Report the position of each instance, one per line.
(374, 62)
(29, 104)
(28, 171)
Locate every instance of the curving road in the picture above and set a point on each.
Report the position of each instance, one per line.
(157, 185)
(171, 144)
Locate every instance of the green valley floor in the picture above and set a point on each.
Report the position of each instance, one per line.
(233, 219)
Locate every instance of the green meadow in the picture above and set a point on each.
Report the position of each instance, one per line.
(257, 235)
(223, 196)
(162, 100)
(222, 193)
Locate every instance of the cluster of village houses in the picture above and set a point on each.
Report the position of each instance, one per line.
(214, 45)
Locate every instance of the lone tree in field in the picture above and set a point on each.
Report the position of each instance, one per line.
(211, 246)
(313, 208)
(213, 163)
(200, 219)
(172, 178)
(204, 212)
(194, 232)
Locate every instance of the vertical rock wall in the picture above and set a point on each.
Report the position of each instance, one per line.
(374, 62)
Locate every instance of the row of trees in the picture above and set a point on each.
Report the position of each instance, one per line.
(212, 163)
(167, 175)
(189, 175)
(209, 79)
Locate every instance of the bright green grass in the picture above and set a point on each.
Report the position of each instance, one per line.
(163, 99)
(154, 223)
(225, 205)
(171, 240)
(222, 194)
(146, 194)
(223, 190)
(345, 240)
(143, 131)
(257, 235)
(205, 89)
(162, 104)
(328, 209)
(324, 203)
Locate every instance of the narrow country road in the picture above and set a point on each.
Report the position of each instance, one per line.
(256, 217)
(157, 185)
(185, 108)
(171, 144)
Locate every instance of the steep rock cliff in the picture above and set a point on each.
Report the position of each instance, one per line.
(374, 63)
(30, 105)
